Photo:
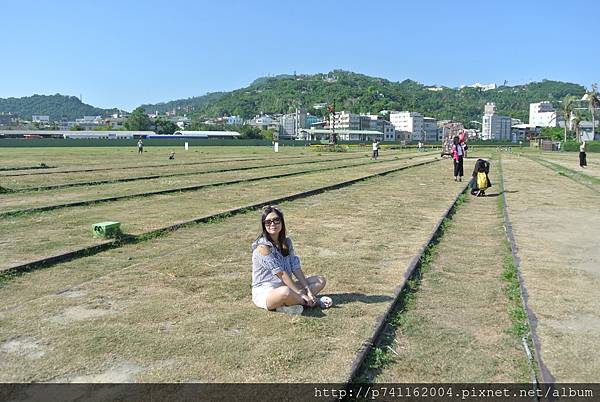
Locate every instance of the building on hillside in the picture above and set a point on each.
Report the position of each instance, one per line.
(234, 121)
(542, 114)
(7, 119)
(494, 126)
(262, 121)
(410, 122)
(40, 119)
(483, 87)
(182, 122)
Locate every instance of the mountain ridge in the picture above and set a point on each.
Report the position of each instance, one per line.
(351, 91)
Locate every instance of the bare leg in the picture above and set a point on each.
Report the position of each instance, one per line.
(282, 296)
(315, 282)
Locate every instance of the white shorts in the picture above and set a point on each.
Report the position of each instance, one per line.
(260, 293)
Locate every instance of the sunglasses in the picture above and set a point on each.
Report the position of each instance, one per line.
(275, 221)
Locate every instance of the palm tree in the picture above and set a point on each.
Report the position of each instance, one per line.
(566, 109)
(593, 100)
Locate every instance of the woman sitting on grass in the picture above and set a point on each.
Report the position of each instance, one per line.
(273, 263)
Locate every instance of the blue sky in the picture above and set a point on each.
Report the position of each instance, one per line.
(126, 53)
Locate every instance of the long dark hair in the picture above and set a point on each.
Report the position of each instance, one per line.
(282, 236)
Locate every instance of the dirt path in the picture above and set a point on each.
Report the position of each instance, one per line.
(455, 330)
(557, 225)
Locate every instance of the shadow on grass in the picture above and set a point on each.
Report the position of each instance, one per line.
(501, 192)
(343, 298)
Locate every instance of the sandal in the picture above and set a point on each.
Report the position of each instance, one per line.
(325, 302)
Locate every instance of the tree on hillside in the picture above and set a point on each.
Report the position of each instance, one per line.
(138, 120)
(593, 100)
(106, 127)
(164, 126)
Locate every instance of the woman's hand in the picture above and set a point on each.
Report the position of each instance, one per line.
(309, 300)
(311, 297)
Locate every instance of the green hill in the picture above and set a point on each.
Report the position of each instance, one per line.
(352, 92)
(363, 94)
(56, 106)
(182, 106)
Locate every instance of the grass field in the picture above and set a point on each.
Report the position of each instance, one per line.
(178, 307)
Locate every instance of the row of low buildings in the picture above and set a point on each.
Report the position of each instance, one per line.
(406, 126)
(402, 126)
(541, 114)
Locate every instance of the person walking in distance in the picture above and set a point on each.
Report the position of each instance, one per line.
(140, 146)
(582, 155)
(457, 156)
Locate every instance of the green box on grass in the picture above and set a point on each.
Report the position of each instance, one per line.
(106, 229)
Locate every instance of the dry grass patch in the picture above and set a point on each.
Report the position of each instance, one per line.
(16, 201)
(181, 309)
(455, 327)
(202, 167)
(37, 235)
(554, 225)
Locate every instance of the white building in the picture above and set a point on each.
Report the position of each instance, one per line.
(262, 121)
(40, 119)
(542, 114)
(234, 120)
(494, 126)
(483, 87)
(345, 121)
(410, 122)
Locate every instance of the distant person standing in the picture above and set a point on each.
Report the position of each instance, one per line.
(375, 146)
(582, 155)
(457, 156)
(140, 145)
